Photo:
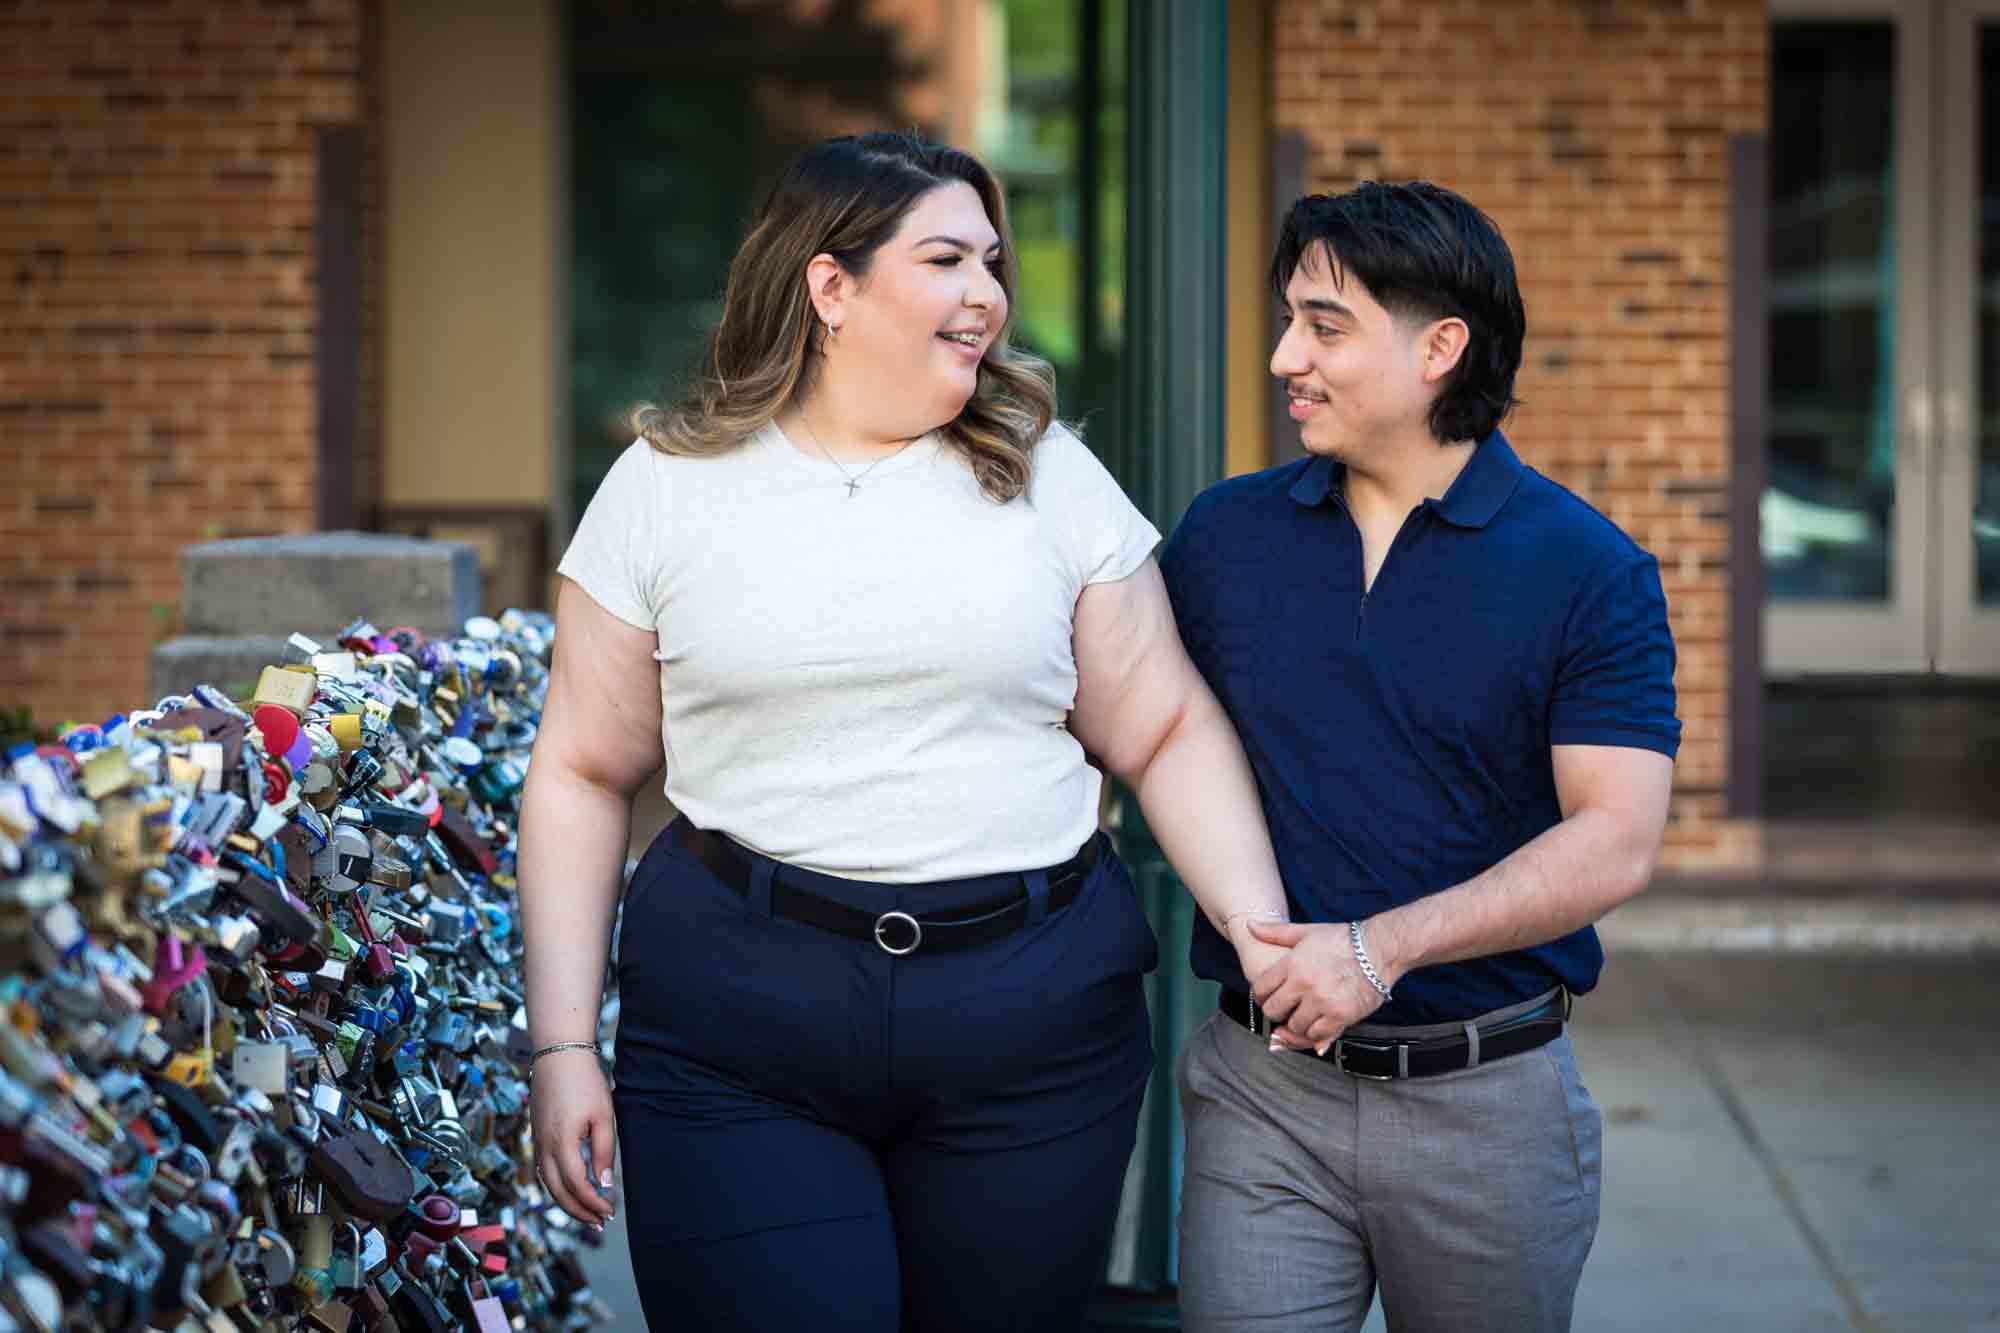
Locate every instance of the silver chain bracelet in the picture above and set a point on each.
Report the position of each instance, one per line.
(590, 1046)
(1361, 957)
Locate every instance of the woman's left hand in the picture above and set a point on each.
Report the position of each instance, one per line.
(1317, 991)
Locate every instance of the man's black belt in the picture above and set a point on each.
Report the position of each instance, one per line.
(897, 933)
(1386, 1058)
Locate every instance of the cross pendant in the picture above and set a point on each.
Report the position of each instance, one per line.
(852, 487)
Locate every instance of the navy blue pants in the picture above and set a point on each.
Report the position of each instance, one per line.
(819, 1135)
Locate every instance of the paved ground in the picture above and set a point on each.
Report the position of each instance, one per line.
(1793, 1142)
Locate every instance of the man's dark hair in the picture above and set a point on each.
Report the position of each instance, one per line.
(1424, 254)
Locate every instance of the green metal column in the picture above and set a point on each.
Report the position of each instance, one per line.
(1169, 447)
(1171, 444)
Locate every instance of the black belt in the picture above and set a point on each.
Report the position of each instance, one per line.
(898, 933)
(1371, 1057)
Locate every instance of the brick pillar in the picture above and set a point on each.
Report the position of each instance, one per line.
(157, 315)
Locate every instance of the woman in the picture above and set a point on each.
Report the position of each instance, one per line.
(883, 1038)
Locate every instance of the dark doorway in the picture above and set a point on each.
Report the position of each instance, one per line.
(1883, 782)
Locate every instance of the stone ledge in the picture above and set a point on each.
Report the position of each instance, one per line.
(249, 585)
(224, 661)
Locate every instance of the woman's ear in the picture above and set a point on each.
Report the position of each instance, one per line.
(827, 283)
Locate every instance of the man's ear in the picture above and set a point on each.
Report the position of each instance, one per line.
(1444, 347)
(828, 285)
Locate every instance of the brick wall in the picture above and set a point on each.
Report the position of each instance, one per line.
(157, 313)
(1595, 133)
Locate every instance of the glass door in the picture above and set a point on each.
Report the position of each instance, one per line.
(1968, 491)
(1881, 519)
(1845, 515)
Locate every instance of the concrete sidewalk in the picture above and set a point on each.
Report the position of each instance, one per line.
(1793, 1141)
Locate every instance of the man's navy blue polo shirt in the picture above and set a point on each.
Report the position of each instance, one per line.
(1401, 737)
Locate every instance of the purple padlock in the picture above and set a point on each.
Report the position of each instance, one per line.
(174, 965)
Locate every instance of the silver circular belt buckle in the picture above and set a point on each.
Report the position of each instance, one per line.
(882, 924)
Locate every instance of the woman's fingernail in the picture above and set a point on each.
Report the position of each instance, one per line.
(1276, 1045)
(1322, 1048)
(605, 1180)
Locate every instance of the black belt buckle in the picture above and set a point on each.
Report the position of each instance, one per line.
(901, 924)
(1344, 1044)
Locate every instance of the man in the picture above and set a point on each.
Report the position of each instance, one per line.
(1454, 680)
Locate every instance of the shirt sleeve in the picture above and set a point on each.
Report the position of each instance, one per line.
(611, 557)
(1615, 680)
(1109, 537)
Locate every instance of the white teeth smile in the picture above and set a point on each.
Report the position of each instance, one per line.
(962, 339)
(1306, 401)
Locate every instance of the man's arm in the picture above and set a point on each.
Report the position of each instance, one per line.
(1602, 853)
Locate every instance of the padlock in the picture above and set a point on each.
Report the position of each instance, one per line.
(225, 1289)
(333, 1316)
(347, 1269)
(314, 1242)
(371, 1307)
(311, 1286)
(419, 1310)
(354, 859)
(276, 1259)
(58, 936)
(486, 1313)
(52, 1248)
(263, 1065)
(211, 846)
(291, 689)
(190, 1115)
(370, 1179)
(191, 1249)
(216, 816)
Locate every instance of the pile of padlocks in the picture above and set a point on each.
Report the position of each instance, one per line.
(262, 1063)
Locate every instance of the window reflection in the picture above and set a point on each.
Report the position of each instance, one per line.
(1986, 510)
(1826, 514)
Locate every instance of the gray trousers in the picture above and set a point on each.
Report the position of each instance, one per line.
(1470, 1198)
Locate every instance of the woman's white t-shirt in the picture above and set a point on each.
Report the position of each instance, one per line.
(874, 687)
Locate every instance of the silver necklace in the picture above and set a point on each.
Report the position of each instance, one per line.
(852, 479)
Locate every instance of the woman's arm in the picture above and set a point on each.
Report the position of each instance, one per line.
(1146, 713)
(599, 741)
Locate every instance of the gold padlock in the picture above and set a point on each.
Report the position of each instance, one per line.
(315, 1241)
(287, 688)
(107, 771)
(121, 837)
(225, 1289)
(188, 1068)
(346, 729)
(184, 773)
(332, 1317)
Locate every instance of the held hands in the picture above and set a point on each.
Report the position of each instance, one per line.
(1254, 955)
(571, 1102)
(1316, 990)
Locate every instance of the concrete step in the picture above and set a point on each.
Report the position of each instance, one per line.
(1664, 921)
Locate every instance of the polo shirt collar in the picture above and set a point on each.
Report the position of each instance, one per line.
(1479, 492)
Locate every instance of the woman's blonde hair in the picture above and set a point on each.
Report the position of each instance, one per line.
(845, 198)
